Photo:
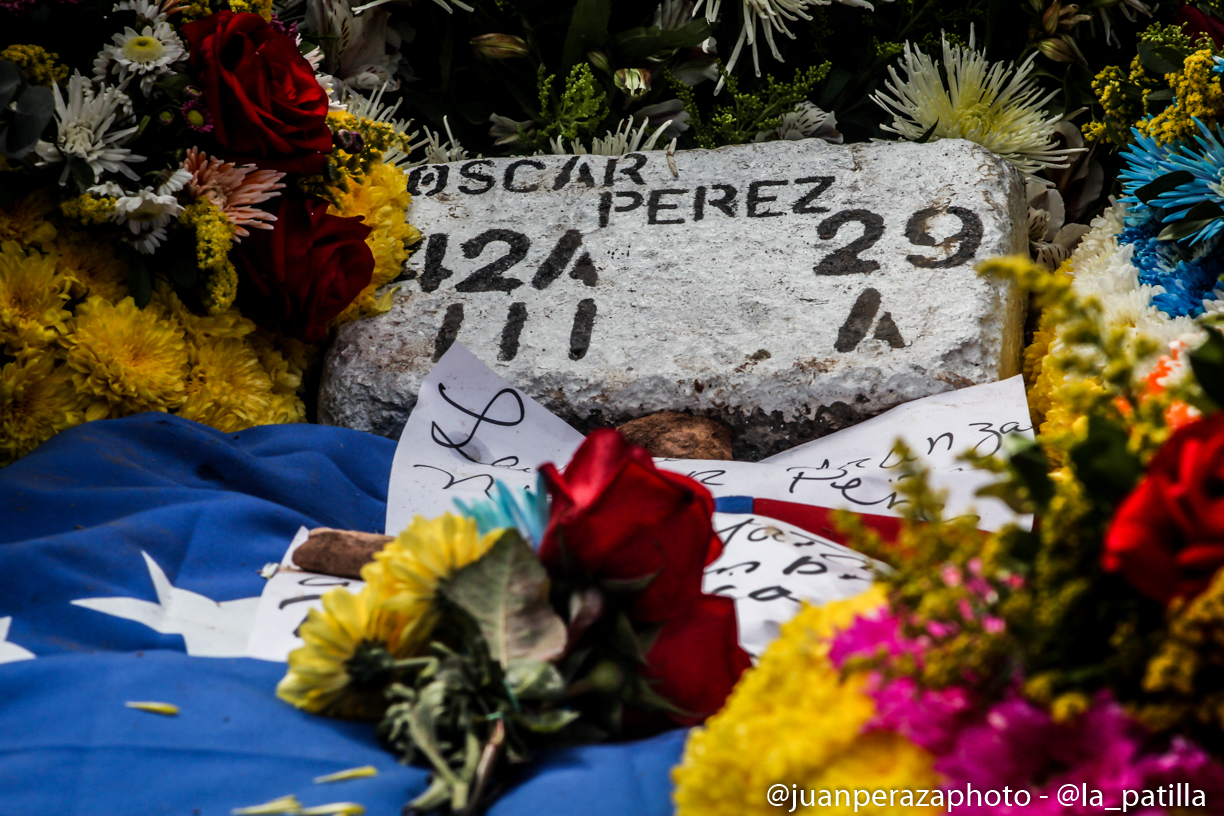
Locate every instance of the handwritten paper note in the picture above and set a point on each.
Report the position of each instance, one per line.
(855, 469)
(469, 428)
(770, 568)
(287, 597)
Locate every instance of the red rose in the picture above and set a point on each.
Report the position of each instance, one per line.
(265, 102)
(1195, 23)
(1167, 538)
(308, 267)
(616, 518)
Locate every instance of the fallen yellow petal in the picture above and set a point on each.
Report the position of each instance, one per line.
(165, 709)
(285, 804)
(334, 809)
(351, 773)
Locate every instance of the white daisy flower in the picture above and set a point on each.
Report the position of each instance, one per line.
(83, 127)
(148, 211)
(151, 11)
(773, 16)
(149, 55)
(805, 121)
(995, 105)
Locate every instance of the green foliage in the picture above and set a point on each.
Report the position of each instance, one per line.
(749, 112)
(579, 110)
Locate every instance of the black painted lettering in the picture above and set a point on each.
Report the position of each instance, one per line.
(451, 324)
(845, 261)
(585, 270)
(639, 161)
(609, 172)
(558, 259)
(488, 278)
(968, 239)
(862, 313)
(435, 175)
(605, 208)
(887, 331)
(655, 203)
(435, 254)
(804, 205)
(508, 180)
(510, 334)
(699, 198)
(584, 324)
(755, 198)
(584, 173)
(471, 170)
(726, 203)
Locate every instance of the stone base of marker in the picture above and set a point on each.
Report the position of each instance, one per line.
(679, 436)
(786, 289)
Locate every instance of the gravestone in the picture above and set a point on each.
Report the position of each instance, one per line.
(787, 289)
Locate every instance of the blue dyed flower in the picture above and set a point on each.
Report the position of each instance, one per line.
(1186, 278)
(525, 510)
(1146, 161)
(1218, 68)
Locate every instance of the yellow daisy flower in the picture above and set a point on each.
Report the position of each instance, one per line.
(794, 720)
(37, 401)
(228, 388)
(32, 297)
(92, 266)
(25, 221)
(410, 568)
(128, 359)
(329, 674)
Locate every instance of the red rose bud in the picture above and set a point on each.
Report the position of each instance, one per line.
(616, 519)
(265, 102)
(499, 46)
(309, 267)
(1167, 537)
(1196, 24)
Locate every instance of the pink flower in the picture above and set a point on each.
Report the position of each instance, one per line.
(197, 116)
(234, 189)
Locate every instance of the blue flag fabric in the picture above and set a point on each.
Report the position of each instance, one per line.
(175, 520)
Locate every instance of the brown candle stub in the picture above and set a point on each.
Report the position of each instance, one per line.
(679, 436)
(338, 552)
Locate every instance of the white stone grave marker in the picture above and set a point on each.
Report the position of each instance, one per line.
(787, 289)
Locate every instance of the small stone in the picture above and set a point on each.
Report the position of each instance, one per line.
(676, 435)
(338, 552)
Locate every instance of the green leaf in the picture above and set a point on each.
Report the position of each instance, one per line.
(506, 593)
(535, 680)
(926, 137)
(1207, 363)
(1103, 463)
(81, 171)
(1163, 184)
(588, 30)
(12, 80)
(30, 117)
(140, 282)
(174, 86)
(1160, 59)
(639, 43)
(546, 722)
(1028, 462)
(1197, 217)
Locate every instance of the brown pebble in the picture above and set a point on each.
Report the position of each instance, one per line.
(680, 436)
(338, 552)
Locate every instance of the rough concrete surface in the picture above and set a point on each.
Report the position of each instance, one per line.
(786, 289)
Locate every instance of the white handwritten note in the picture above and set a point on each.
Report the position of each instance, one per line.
(469, 428)
(770, 568)
(286, 598)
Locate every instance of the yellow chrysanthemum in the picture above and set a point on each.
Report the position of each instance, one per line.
(794, 720)
(229, 324)
(228, 388)
(91, 265)
(37, 401)
(382, 198)
(128, 359)
(278, 360)
(25, 220)
(319, 677)
(32, 298)
(410, 568)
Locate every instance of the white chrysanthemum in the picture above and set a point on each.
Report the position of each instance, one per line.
(804, 121)
(84, 125)
(151, 11)
(440, 152)
(148, 211)
(624, 139)
(773, 16)
(995, 105)
(149, 54)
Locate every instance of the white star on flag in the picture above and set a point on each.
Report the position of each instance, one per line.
(209, 629)
(11, 652)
